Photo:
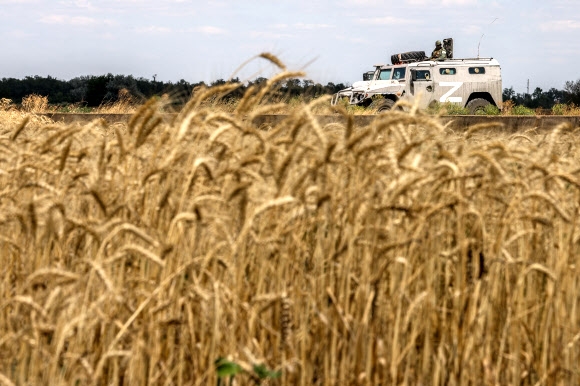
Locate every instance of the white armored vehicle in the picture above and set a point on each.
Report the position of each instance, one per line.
(471, 83)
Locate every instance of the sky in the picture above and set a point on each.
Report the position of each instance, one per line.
(330, 40)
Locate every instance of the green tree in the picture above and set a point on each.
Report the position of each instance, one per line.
(508, 94)
(119, 82)
(572, 89)
(97, 89)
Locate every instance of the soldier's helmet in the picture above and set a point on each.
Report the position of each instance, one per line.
(438, 43)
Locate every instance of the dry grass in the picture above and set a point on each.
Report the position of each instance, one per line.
(565, 109)
(397, 253)
(125, 104)
(38, 104)
(11, 116)
(35, 103)
(507, 107)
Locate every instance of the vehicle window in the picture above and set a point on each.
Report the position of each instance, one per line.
(385, 74)
(423, 75)
(477, 70)
(447, 71)
(399, 73)
(368, 75)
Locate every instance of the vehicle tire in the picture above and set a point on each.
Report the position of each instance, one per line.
(476, 105)
(385, 105)
(408, 56)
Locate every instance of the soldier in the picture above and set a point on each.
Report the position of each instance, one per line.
(439, 52)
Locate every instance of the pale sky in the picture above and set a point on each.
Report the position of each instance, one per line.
(331, 40)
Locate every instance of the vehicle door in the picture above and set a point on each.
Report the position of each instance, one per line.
(421, 85)
(399, 74)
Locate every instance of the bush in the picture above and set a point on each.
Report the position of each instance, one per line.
(522, 110)
(453, 109)
(488, 110)
(559, 109)
(358, 110)
(73, 108)
(434, 108)
(447, 108)
(565, 109)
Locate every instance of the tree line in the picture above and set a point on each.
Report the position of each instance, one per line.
(93, 91)
(545, 99)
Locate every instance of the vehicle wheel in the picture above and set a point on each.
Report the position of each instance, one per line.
(477, 105)
(408, 56)
(385, 105)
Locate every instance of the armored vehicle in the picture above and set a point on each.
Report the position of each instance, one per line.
(411, 76)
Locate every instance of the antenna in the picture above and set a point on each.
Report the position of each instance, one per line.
(482, 35)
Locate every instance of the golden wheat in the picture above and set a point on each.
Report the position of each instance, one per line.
(397, 253)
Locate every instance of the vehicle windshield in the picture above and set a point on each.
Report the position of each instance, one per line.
(385, 74)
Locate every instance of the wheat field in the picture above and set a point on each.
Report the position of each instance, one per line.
(208, 251)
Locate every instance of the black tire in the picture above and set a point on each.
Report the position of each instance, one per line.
(476, 105)
(385, 105)
(411, 56)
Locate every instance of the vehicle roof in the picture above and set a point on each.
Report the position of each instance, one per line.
(391, 65)
(445, 62)
(457, 62)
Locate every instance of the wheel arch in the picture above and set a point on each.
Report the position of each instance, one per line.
(392, 97)
(481, 95)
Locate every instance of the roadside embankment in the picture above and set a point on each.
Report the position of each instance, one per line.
(454, 122)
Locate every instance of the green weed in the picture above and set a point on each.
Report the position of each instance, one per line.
(522, 110)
